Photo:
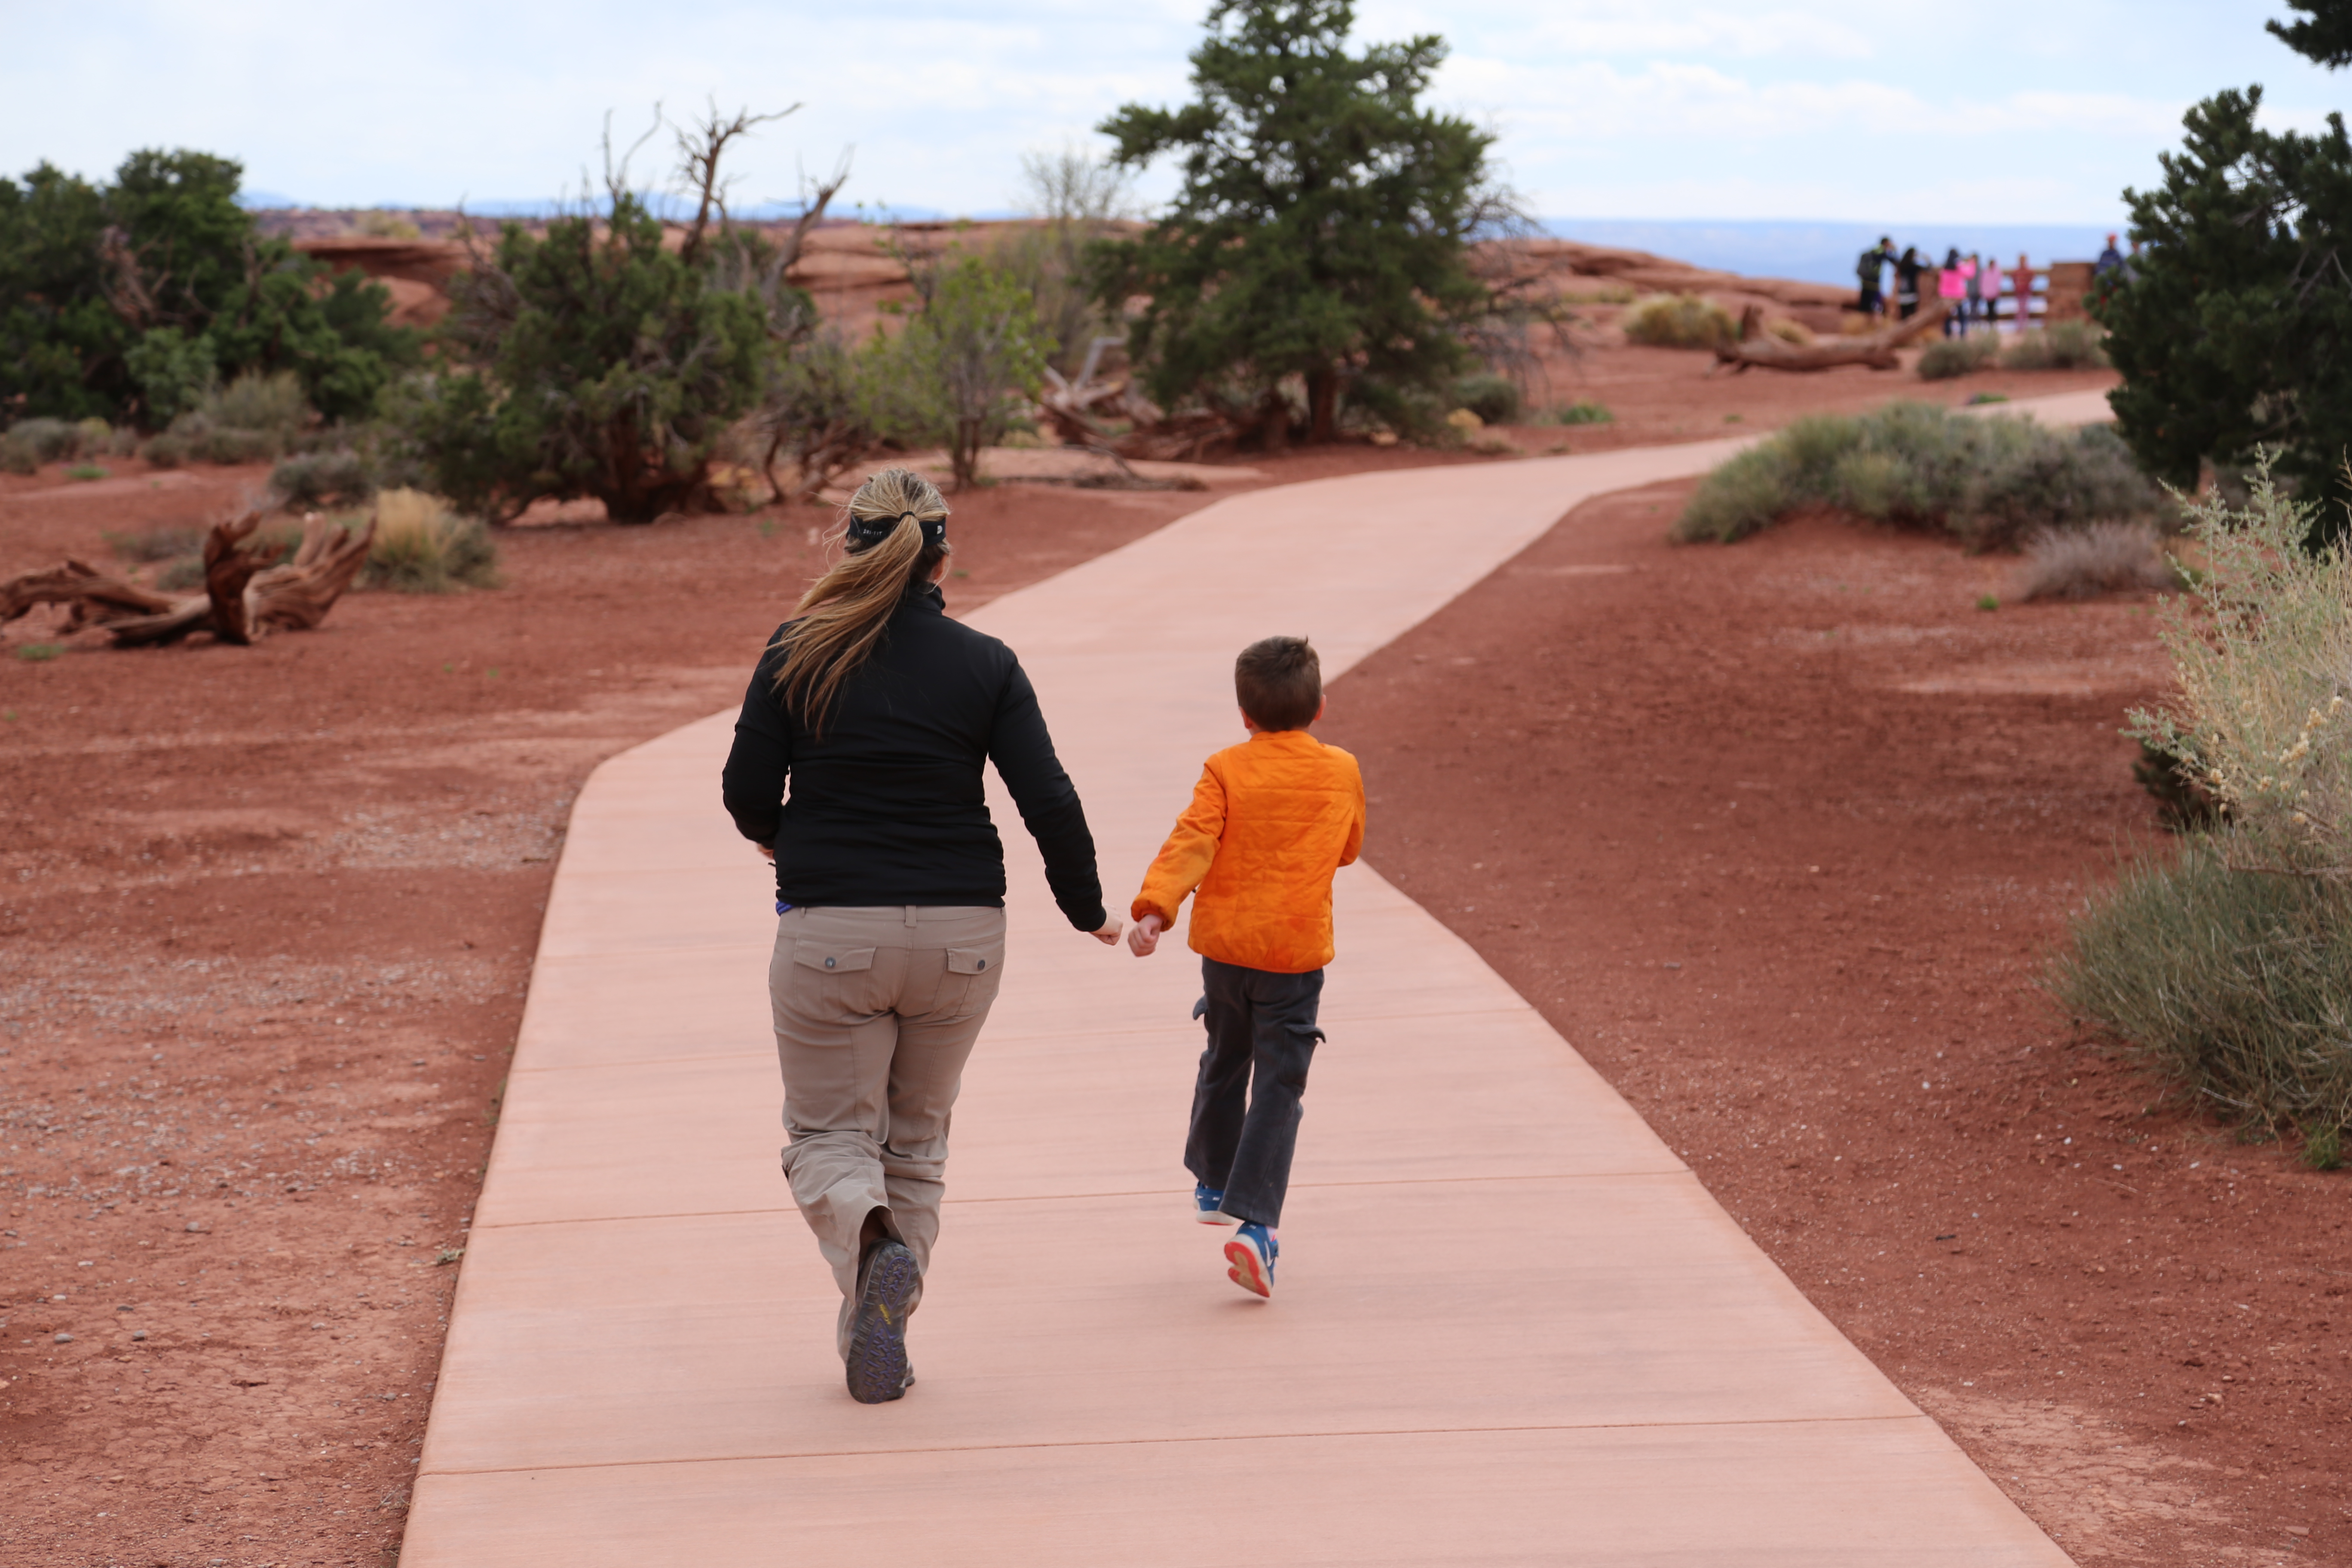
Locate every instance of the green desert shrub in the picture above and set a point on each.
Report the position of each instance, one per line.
(1678, 322)
(1948, 358)
(166, 451)
(422, 547)
(17, 456)
(1580, 412)
(2062, 345)
(1494, 399)
(2236, 984)
(1986, 480)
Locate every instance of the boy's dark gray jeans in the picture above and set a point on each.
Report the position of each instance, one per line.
(1246, 1103)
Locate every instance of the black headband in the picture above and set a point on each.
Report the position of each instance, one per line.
(873, 531)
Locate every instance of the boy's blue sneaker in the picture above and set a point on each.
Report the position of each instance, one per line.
(1208, 1205)
(1251, 1254)
(877, 1367)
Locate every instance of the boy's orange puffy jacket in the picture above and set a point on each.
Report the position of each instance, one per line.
(1270, 820)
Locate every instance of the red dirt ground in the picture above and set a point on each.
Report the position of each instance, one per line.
(1778, 835)
(268, 916)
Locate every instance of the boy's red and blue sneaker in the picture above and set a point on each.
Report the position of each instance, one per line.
(1208, 1205)
(1251, 1255)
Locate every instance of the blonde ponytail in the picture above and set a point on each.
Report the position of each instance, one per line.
(841, 616)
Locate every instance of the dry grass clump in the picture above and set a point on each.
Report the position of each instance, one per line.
(2096, 558)
(1988, 481)
(1788, 330)
(422, 547)
(1678, 322)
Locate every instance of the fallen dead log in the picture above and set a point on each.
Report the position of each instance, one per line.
(245, 598)
(1875, 350)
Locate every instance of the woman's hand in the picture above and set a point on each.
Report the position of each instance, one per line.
(767, 849)
(1108, 935)
(1146, 935)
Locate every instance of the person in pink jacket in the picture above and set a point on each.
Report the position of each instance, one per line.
(1952, 291)
(1989, 288)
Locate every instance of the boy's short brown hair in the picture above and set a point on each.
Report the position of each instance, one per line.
(1280, 682)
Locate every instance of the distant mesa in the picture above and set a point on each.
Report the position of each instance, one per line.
(852, 279)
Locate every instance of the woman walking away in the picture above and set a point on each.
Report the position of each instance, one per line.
(1952, 293)
(879, 712)
(2020, 283)
(1907, 269)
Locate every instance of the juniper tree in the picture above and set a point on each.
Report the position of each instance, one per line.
(1322, 225)
(2234, 328)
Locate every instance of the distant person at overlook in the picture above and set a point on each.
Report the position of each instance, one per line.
(1952, 295)
(1908, 267)
(1870, 271)
(1989, 290)
(2020, 283)
(1972, 280)
(2110, 260)
(880, 713)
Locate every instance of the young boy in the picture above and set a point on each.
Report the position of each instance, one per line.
(1270, 821)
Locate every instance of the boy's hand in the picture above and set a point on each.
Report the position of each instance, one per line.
(1108, 935)
(1144, 935)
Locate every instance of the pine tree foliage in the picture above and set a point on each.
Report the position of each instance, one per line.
(2324, 32)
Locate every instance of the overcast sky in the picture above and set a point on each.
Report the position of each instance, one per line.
(2016, 110)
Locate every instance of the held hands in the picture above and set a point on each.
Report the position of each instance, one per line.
(1145, 935)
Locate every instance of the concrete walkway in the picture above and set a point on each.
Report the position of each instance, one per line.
(1511, 1328)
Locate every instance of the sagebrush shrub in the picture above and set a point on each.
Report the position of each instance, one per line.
(2262, 649)
(2235, 982)
(1580, 412)
(156, 543)
(2097, 558)
(320, 478)
(256, 402)
(1986, 480)
(48, 440)
(2062, 345)
(1678, 322)
(1494, 399)
(1948, 357)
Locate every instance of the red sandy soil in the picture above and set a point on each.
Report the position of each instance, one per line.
(268, 915)
(1779, 835)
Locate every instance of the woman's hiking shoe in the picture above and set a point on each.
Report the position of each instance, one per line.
(1208, 1205)
(1251, 1253)
(878, 1372)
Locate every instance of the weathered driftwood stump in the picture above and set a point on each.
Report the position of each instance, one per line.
(245, 596)
(1875, 350)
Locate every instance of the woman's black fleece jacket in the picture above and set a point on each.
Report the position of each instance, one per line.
(887, 808)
